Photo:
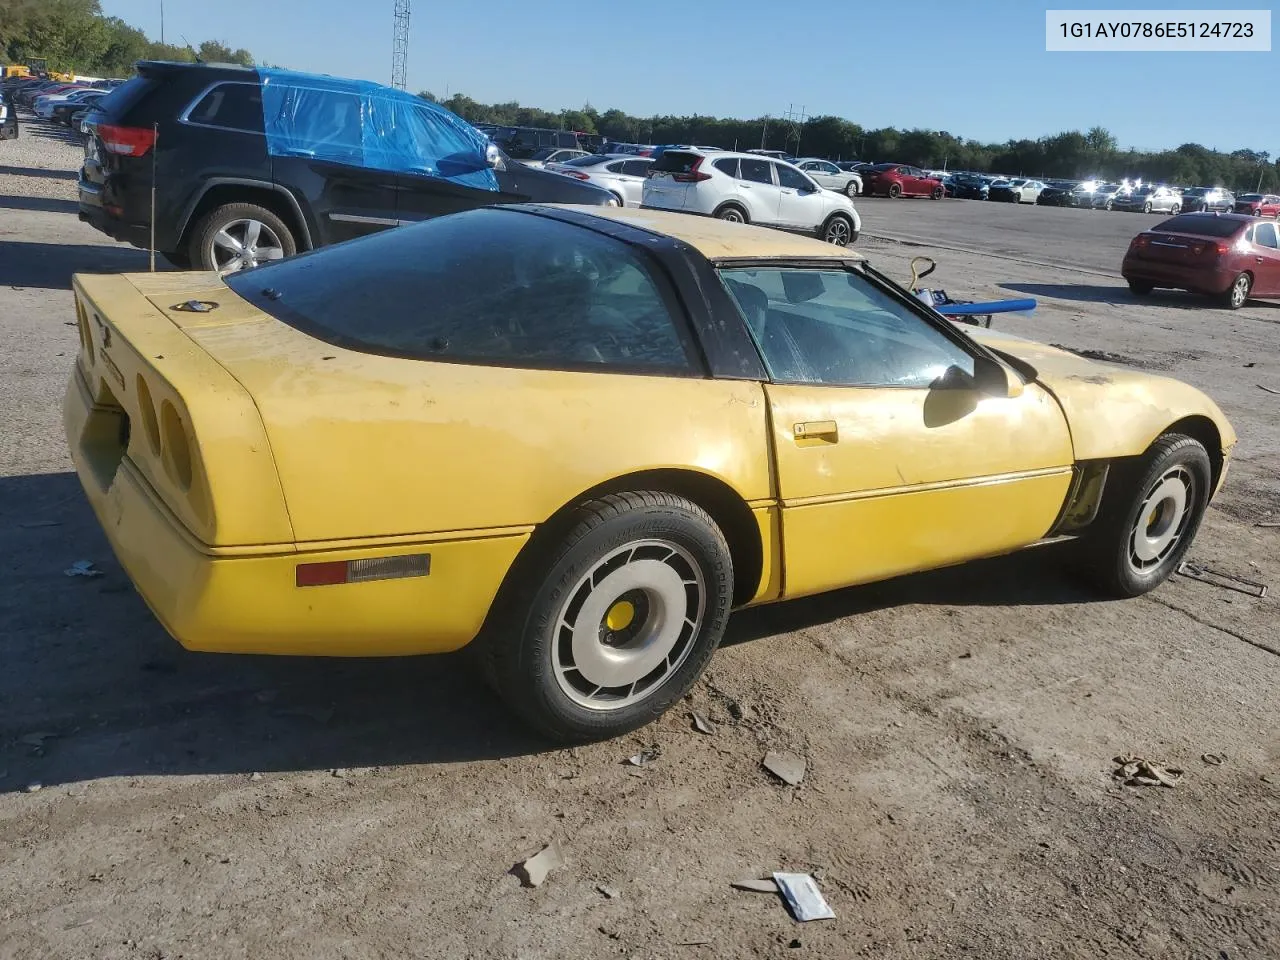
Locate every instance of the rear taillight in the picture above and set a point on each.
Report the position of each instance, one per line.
(575, 174)
(1139, 242)
(126, 141)
(693, 176)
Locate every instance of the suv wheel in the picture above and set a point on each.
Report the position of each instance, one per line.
(851, 189)
(732, 213)
(238, 236)
(839, 230)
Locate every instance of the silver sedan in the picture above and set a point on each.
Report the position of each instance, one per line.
(621, 174)
(831, 177)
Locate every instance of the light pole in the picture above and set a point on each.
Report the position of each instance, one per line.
(162, 23)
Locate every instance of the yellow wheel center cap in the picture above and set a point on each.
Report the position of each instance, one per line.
(620, 615)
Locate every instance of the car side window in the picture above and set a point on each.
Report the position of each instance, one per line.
(728, 165)
(636, 168)
(755, 171)
(231, 106)
(1264, 235)
(835, 328)
(617, 166)
(792, 179)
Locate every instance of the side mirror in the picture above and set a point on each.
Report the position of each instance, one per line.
(994, 379)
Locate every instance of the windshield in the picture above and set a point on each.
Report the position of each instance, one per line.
(544, 153)
(885, 166)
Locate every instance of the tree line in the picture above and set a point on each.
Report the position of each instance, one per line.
(74, 36)
(1069, 155)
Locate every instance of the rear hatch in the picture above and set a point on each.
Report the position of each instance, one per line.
(109, 141)
(670, 178)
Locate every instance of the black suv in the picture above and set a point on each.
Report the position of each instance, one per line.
(224, 202)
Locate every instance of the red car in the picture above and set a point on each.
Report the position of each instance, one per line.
(1230, 256)
(1258, 204)
(899, 180)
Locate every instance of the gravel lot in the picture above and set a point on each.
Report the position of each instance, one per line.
(958, 726)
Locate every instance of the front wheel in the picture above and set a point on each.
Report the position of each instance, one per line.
(937, 193)
(616, 622)
(1145, 528)
(1175, 210)
(1146, 207)
(851, 189)
(839, 230)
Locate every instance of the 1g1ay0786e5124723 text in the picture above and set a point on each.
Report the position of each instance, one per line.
(1158, 30)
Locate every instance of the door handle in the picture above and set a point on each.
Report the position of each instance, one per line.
(1260, 259)
(816, 429)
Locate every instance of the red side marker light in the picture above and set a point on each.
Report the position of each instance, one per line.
(330, 572)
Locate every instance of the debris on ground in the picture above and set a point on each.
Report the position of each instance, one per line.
(803, 897)
(1195, 571)
(702, 724)
(787, 767)
(82, 568)
(767, 885)
(1214, 759)
(1141, 772)
(534, 870)
(644, 756)
(608, 892)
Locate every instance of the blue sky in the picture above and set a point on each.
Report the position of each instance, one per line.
(976, 69)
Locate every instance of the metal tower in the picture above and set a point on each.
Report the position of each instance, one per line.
(400, 46)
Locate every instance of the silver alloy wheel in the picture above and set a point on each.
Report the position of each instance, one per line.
(242, 244)
(851, 189)
(1240, 290)
(1162, 519)
(628, 624)
(732, 215)
(614, 201)
(838, 232)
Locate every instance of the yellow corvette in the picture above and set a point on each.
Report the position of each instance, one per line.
(579, 439)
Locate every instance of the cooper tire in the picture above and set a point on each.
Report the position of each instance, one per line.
(1148, 522)
(221, 228)
(620, 621)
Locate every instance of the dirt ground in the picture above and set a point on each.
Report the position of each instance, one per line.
(958, 727)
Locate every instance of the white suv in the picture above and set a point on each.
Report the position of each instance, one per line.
(749, 188)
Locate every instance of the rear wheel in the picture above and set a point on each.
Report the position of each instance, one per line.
(238, 236)
(1237, 294)
(1141, 287)
(851, 189)
(620, 621)
(895, 191)
(1175, 210)
(732, 213)
(617, 201)
(839, 230)
(1146, 207)
(937, 193)
(1145, 527)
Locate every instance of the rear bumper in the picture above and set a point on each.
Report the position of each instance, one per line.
(249, 602)
(1178, 276)
(95, 214)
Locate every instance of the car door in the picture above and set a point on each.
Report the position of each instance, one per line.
(801, 206)
(631, 179)
(881, 469)
(919, 183)
(1266, 260)
(758, 190)
(826, 175)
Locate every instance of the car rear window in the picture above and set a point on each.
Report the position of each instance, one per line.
(231, 106)
(551, 295)
(590, 160)
(676, 161)
(126, 96)
(1202, 225)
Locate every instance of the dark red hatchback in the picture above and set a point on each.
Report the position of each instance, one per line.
(1228, 255)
